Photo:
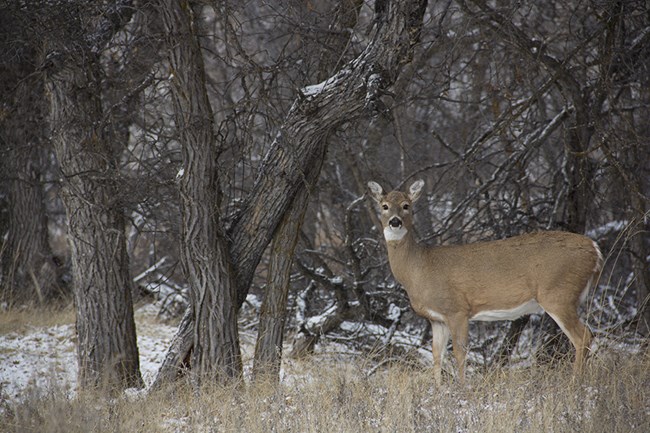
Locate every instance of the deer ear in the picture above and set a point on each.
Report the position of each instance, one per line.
(415, 190)
(376, 191)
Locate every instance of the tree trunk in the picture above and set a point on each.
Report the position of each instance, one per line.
(29, 273)
(579, 170)
(177, 353)
(107, 349)
(301, 142)
(204, 253)
(268, 348)
(270, 333)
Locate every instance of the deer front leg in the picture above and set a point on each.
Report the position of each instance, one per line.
(440, 337)
(459, 326)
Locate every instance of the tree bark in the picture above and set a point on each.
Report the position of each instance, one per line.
(301, 140)
(204, 251)
(29, 273)
(107, 348)
(270, 334)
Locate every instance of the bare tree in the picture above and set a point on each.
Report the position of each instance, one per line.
(521, 117)
(107, 348)
(204, 251)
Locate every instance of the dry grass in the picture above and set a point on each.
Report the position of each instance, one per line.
(21, 319)
(334, 393)
(324, 395)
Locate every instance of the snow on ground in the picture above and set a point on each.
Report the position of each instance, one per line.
(37, 358)
(45, 357)
(154, 338)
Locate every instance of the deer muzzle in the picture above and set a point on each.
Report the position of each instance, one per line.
(395, 223)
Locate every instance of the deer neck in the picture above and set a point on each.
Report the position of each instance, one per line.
(403, 255)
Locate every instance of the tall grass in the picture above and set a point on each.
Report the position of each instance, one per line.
(21, 319)
(325, 395)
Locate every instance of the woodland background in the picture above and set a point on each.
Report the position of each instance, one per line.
(216, 153)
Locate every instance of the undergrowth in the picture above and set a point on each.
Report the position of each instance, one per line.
(327, 395)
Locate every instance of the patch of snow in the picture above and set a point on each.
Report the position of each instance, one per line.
(45, 357)
(41, 357)
(152, 346)
(605, 229)
(254, 301)
(316, 89)
(151, 269)
(373, 85)
(363, 329)
(336, 280)
(394, 312)
(316, 322)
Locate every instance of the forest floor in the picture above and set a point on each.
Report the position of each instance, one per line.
(333, 390)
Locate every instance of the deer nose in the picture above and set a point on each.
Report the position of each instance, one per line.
(395, 222)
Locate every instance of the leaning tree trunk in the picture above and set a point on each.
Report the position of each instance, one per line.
(301, 141)
(317, 111)
(107, 349)
(268, 347)
(204, 253)
(273, 314)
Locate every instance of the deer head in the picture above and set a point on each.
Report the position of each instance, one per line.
(395, 207)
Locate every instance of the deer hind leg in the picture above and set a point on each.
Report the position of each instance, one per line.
(578, 333)
(440, 337)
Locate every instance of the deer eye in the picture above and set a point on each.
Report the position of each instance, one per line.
(384, 206)
(405, 206)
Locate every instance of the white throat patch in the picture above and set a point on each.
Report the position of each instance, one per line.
(394, 234)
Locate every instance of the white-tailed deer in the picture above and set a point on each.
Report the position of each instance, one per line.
(497, 280)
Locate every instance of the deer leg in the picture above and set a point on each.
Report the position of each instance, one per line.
(440, 337)
(459, 338)
(582, 349)
(578, 333)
